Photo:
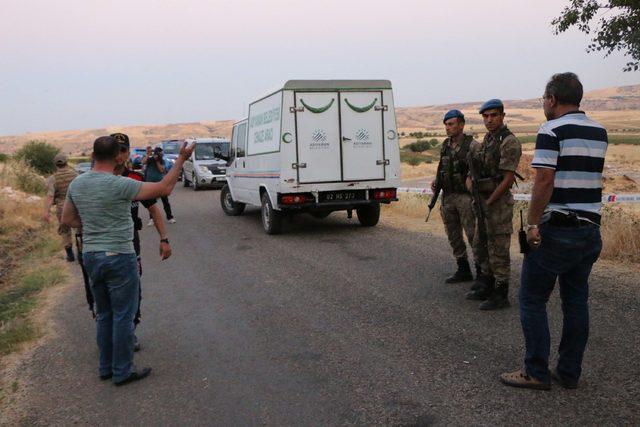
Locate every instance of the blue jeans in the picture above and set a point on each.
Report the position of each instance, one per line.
(566, 254)
(115, 285)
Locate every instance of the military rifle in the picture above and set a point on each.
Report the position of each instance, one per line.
(85, 277)
(477, 199)
(436, 193)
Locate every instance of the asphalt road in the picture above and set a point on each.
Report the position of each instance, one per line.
(328, 324)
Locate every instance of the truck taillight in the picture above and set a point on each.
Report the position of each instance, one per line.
(384, 194)
(295, 199)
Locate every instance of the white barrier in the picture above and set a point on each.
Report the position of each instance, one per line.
(607, 198)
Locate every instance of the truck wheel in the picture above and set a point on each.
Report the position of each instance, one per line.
(230, 207)
(369, 215)
(271, 218)
(185, 181)
(194, 182)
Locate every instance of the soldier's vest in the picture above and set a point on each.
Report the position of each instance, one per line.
(487, 162)
(62, 178)
(453, 166)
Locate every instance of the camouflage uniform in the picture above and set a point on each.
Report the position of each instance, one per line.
(498, 152)
(57, 185)
(456, 208)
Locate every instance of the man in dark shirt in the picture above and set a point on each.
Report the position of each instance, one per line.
(154, 212)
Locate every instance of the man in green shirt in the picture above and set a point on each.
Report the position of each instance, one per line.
(101, 203)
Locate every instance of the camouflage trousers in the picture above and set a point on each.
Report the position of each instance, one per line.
(457, 215)
(63, 230)
(495, 253)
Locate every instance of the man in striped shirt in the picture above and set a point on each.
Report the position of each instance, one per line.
(563, 235)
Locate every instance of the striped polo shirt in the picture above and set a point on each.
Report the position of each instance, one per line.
(575, 146)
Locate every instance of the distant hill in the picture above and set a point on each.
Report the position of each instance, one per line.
(617, 108)
(78, 141)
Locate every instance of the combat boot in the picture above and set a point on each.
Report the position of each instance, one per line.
(481, 279)
(462, 274)
(498, 299)
(69, 251)
(483, 288)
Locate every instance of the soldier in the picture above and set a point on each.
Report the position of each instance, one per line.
(57, 185)
(492, 170)
(455, 209)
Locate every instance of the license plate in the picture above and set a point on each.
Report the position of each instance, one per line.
(341, 196)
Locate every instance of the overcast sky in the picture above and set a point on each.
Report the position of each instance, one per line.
(70, 64)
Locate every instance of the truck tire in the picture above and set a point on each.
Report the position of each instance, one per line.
(369, 215)
(271, 218)
(185, 181)
(230, 207)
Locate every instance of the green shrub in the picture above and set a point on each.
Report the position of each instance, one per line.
(4, 158)
(419, 146)
(23, 177)
(39, 155)
(414, 161)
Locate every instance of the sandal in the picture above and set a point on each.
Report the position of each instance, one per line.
(522, 380)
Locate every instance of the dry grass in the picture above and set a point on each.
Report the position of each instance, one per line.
(621, 233)
(19, 175)
(620, 224)
(29, 263)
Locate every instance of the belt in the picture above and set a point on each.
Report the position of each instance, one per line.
(560, 219)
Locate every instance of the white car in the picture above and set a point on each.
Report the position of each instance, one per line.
(315, 146)
(205, 168)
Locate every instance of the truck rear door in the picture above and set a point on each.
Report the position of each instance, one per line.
(318, 137)
(361, 124)
(339, 136)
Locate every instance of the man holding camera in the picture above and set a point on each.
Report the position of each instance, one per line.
(154, 172)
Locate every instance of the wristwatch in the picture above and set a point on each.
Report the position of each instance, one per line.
(164, 241)
(532, 227)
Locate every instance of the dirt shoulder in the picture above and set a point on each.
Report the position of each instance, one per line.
(14, 386)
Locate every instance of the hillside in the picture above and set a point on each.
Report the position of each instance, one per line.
(617, 108)
(78, 141)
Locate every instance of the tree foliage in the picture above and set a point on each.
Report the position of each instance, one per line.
(614, 25)
(39, 155)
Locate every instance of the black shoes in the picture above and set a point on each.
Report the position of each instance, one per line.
(135, 376)
(106, 376)
(70, 256)
(463, 274)
(498, 299)
(494, 295)
(481, 289)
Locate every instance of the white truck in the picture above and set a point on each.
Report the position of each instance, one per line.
(204, 168)
(315, 146)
